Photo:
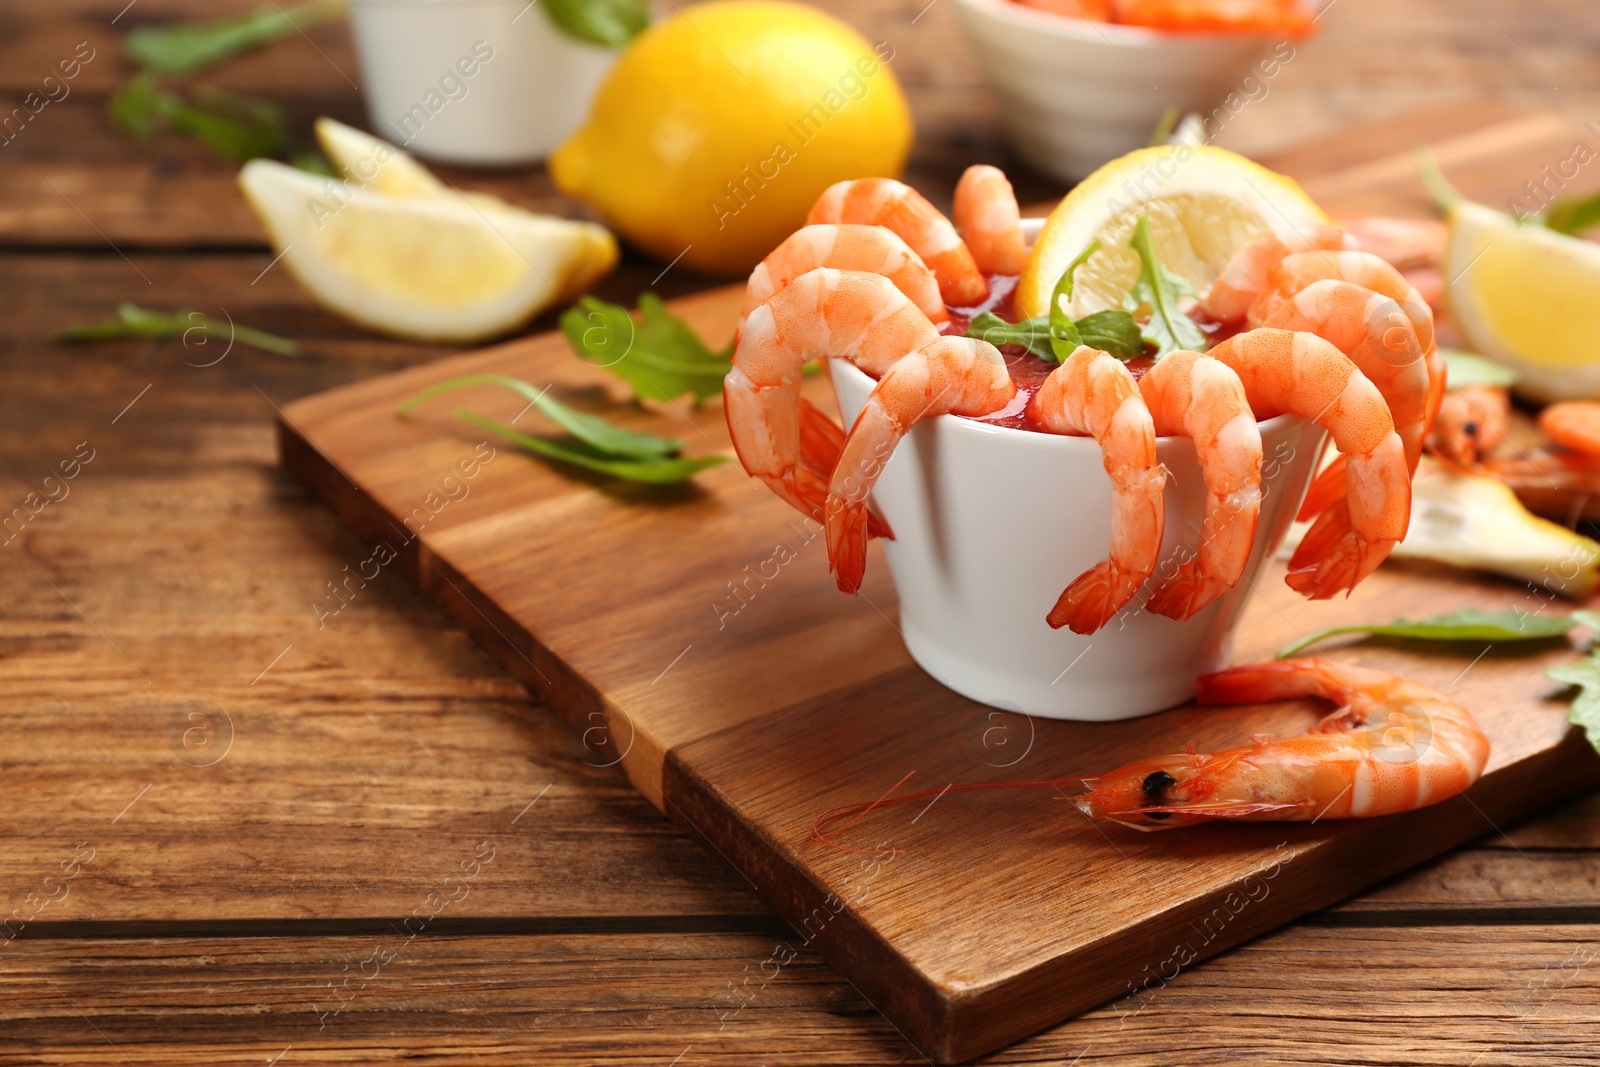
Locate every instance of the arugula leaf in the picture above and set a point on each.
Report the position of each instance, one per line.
(1158, 288)
(1468, 624)
(1032, 334)
(592, 430)
(1112, 331)
(1585, 709)
(611, 23)
(182, 47)
(658, 355)
(1445, 196)
(135, 321)
(237, 128)
(656, 472)
(1573, 215)
(1064, 336)
(1469, 368)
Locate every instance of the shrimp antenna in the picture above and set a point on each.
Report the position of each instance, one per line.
(821, 826)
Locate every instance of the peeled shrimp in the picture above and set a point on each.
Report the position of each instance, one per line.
(1299, 270)
(1573, 424)
(1199, 397)
(872, 249)
(1215, 16)
(1407, 244)
(1471, 422)
(1248, 273)
(824, 312)
(1392, 746)
(1376, 334)
(1303, 374)
(949, 375)
(988, 220)
(897, 206)
(1093, 393)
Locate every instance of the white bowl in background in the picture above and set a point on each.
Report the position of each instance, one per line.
(992, 523)
(1078, 93)
(489, 82)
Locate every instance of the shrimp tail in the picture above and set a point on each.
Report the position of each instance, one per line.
(1185, 593)
(1094, 597)
(821, 443)
(847, 544)
(1327, 487)
(1333, 557)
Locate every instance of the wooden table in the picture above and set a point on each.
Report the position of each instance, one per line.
(217, 811)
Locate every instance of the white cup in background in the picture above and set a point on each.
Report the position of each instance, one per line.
(473, 81)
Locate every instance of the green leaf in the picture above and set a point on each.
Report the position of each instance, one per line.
(1169, 329)
(1064, 336)
(658, 355)
(237, 128)
(1573, 215)
(1032, 334)
(1468, 624)
(1445, 196)
(611, 23)
(183, 47)
(133, 321)
(592, 430)
(1112, 331)
(1469, 368)
(657, 472)
(1585, 709)
(1165, 126)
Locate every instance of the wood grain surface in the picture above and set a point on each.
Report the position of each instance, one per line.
(185, 557)
(745, 708)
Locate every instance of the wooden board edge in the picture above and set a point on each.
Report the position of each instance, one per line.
(955, 1028)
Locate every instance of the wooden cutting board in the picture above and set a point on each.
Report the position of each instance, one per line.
(743, 695)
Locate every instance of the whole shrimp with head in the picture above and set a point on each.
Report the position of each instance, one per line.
(1392, 745)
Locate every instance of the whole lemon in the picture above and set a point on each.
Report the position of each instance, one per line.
(718, 128)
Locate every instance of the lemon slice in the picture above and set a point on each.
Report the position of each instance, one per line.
(374, 164)
(1526, 297)
(1203, 203)
(431, 268)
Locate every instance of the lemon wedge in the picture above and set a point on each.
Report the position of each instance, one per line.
(373, 163)
(398, 251)
(1472, 520)
(1526, 297)
(1203, 203)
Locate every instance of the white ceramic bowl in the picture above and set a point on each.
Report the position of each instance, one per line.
(992, 523)
(1079, 93)
(473, 81)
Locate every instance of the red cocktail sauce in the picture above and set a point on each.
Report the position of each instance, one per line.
(1028, 371)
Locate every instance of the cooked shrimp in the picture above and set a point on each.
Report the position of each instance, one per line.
(897, 206)
(1095, 10)
(949, 375)
(1407, 244)
(1564, 486)
(1195, 396)
(1573, 424)
(824, 312)
(1304, 270)
(1093, 393)
(1215, 16)
(873, 249)
(988, 220)
(1393, 746)
(1303, 374)
(1378, 337)
(1248, 273)
(1471, 422)
(1300, 269)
